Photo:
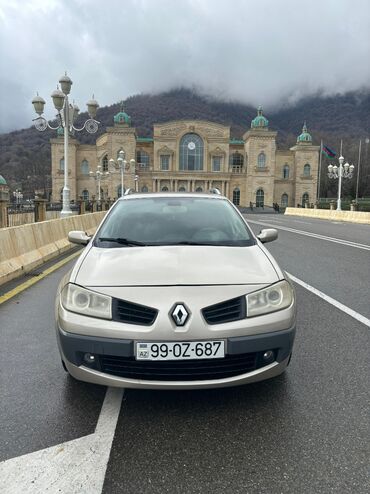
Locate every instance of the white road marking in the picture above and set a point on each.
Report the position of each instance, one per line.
(347, 243)
(73, 467)
(332, 301)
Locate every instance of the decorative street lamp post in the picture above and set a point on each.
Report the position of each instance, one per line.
(344, 171)
(121, 164)
(99, 175)
(18, 196)
(66, 115)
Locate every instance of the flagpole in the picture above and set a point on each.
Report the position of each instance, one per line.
(358, 170)
(318, 180)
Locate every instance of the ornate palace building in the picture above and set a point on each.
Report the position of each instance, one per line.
(192, 156)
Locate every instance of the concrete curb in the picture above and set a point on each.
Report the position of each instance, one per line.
(360, 217)
(25, 247)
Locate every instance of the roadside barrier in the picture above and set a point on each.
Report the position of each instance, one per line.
(361, 217)
(25, 247)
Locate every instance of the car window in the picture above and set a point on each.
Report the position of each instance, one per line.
(173, 220)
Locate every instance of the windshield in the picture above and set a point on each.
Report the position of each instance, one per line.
(173, 221)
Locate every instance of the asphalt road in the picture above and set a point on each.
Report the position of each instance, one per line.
(304, 432)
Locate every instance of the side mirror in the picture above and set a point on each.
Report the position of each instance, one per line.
(77, 237)
(267, 235)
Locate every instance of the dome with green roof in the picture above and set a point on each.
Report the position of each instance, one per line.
(121, 118)
(305, 136)
(2, 180)
(259, 122)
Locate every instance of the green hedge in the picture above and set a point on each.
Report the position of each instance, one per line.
(363, 204)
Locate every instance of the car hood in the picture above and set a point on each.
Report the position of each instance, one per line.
(174, 265)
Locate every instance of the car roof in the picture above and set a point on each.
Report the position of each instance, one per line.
(145, 195)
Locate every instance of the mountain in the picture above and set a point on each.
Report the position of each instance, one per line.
(25, 154)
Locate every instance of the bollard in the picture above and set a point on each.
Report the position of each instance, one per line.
(93, 206)
(3, 213)
(82, 207)
(332, 205)
(40, 210)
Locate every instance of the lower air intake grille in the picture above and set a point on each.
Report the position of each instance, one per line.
(184, 370)
(131, 313)
(230, 310)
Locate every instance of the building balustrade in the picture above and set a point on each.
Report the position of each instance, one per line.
(61, 172)
(236, 169)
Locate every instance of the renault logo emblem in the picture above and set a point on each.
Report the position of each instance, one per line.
(180, 314)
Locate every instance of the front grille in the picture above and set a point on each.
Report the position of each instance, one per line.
(182, 370)
(131, 313)
(227, 311)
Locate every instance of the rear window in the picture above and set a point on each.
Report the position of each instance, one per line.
(173, 221)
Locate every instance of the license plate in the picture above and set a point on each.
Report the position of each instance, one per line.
(180, 350)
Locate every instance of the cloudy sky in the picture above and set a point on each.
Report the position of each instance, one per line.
(254, 51)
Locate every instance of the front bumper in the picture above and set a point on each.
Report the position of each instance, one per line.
(73, 348)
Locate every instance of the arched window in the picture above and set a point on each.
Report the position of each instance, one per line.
(236, 159)
(191, 152)
(61, 164)
(182, 189)
(260, 198)
(261, 162)
(85, 167)
(85, 195)
(305, 199)
(236, 196)
(142, 158)
(284, 200)
(286, 171)
(144, 188)
(104, 163)
(164, 189)
(199, 189)
(307, 170)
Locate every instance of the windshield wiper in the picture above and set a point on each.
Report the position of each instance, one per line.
(122, 241)
(190, 242)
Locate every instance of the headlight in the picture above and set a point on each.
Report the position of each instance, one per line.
(275, 297)
(77, 299)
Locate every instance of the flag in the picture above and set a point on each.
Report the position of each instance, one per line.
(329, 152)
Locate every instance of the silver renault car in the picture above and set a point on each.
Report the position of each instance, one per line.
(174, 291)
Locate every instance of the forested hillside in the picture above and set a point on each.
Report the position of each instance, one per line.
(25, 154)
